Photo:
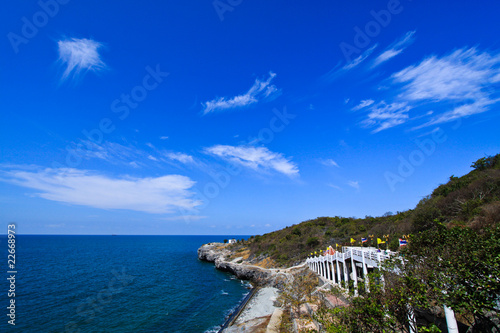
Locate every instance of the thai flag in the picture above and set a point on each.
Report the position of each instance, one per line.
(402, 242)
(364, 240)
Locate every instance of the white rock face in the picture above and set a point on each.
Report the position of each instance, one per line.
(259, 276)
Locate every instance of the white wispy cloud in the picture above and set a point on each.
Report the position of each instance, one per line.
(79, 56)
(466, 76)
(335, 187)
(359, 59)
(111, 152)
(338, 70)
(465, 110)
(461, 75)
(441, 89)
(353, 184)
(363, 104)
(395, 48)
(156, 195)
(260, 90)
(256, 158)
(108, 151)
(116, 153)
(134, 164)
(384, 116)
(180, 157)
(329, 162)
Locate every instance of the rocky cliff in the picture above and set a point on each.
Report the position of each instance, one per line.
(224, 260)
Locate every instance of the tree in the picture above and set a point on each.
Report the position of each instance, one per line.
(298, 291)
(458, 267)
(381, 310)
(312, 242)
(486, 162)
(225, 241)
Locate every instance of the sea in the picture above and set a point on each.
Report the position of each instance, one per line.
(116, 284)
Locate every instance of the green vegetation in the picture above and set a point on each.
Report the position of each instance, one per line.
(472, 200)
(461, 269)
(298, 291)
(452, 259)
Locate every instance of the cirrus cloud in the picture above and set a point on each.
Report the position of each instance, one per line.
(180, 157)
(156, 195)
(438, 89)
(259, 90)
(80, 56)
(256, 158)
(395, 48)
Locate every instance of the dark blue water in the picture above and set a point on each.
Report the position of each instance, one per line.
(116, 284)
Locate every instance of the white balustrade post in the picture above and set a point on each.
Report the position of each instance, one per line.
(326, 267)
(346, 276)
(330, 267)
(365, 272)
(334, 270)
(354, 275)
(338, 271)
(451, 321)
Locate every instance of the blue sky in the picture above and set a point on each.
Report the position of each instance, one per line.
(238, 117)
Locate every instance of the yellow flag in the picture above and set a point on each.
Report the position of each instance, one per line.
(379, 241)
(352, 240)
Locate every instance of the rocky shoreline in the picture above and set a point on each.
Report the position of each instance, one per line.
(253, 318)
(221, 257)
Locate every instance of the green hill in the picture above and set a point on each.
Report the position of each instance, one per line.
(472, 200)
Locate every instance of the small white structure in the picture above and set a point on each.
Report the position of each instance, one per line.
(232, 241)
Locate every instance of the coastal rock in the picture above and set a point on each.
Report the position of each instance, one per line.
(219, 255)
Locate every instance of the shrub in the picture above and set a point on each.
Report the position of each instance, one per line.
(312, 242)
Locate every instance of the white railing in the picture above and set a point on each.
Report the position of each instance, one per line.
(374, 256)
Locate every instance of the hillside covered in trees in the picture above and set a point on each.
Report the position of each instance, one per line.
(472, 201)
